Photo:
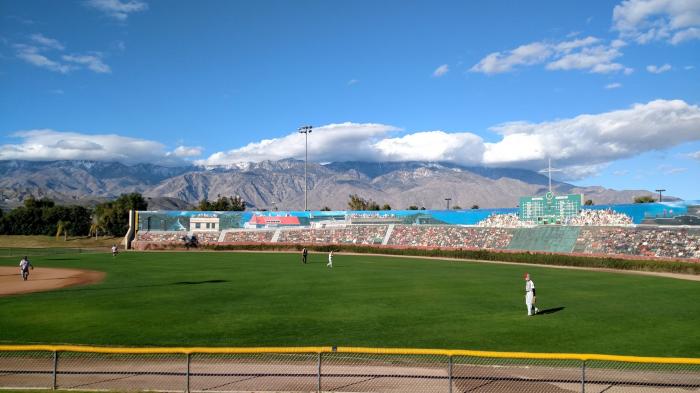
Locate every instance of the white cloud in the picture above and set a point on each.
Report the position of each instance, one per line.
(670, 170)
(568, 46)
(440, 71)
(31, 55)
(597, 59)
(623, 172)
(614, 85)
(47, 145)
(686, 35)
(498, 62)
(35, 54)
(689, 67)
(333, 142)
(645, 21)
(587, 53)
(353, 82)
(118, 9)
(581, 145)
(458, 147)
(587, 140)
(187, 151)
(120, 45)
(658, 70)
(47, 42)
(92, 62)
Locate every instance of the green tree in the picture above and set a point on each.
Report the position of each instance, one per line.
(456, 207)
(475, 207)
(589, 202)
(63, 228)
(326, 209)
(358, 203)
(223, 203)
(41, 217)
(413, 207)
(644, 199)
(113, 216)
(386, 206)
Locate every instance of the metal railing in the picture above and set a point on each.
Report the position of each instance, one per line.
(341, 369)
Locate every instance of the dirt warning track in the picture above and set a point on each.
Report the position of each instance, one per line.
(44, 279)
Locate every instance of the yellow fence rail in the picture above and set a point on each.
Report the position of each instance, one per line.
(355, 350)
(331, 369)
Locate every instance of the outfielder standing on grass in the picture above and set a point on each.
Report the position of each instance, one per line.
(530, 296)
(304, 254)
(330, 259)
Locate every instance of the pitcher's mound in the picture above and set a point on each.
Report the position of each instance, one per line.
(44, 279)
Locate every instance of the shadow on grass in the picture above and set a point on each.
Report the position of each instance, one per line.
(91, 288)
(550, 310)
(199, 282)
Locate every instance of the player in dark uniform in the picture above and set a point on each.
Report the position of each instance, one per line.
(304, 254)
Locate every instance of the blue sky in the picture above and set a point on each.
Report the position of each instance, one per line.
(610, 90)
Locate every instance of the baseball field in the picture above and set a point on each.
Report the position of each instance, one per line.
(271, 299)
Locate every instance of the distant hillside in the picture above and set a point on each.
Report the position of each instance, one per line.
(281, 183)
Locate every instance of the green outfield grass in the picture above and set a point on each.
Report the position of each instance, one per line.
(261, 299)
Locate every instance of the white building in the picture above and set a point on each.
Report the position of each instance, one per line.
(204, 224)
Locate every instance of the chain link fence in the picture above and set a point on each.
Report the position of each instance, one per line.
(326, 369)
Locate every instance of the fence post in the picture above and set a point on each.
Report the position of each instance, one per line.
(54, 385)
(449, 373)
(583, 377)
(318, 381)
(187, 386)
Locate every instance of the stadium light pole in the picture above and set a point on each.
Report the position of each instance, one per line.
(549, 171)
(306, 130)
(660, 191)
(448, 202)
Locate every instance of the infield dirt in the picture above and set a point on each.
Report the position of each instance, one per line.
(44, 279)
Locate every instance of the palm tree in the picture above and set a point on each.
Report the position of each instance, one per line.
(63, 227)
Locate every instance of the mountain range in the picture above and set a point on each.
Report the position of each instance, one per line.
(280, 184)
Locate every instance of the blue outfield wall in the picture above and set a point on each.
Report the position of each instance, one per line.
(167, 220)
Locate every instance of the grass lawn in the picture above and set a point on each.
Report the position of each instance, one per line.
(19, 241)
(260, 299)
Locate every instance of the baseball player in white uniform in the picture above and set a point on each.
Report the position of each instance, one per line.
(24, 266)
(330, 260)
(530, 296)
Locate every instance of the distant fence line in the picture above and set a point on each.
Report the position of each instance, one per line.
(347, 369)
(37, 251)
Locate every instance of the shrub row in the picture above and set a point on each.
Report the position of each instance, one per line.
(486, 255)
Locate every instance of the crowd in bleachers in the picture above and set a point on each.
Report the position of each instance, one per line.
(206, 237)
(351, 234)
(608, 217)
(651, 242)
(176, 237)
(159, 236)
(248, 236)
(449, 236)
(586, 217)
(510, 220)
(594, 238)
